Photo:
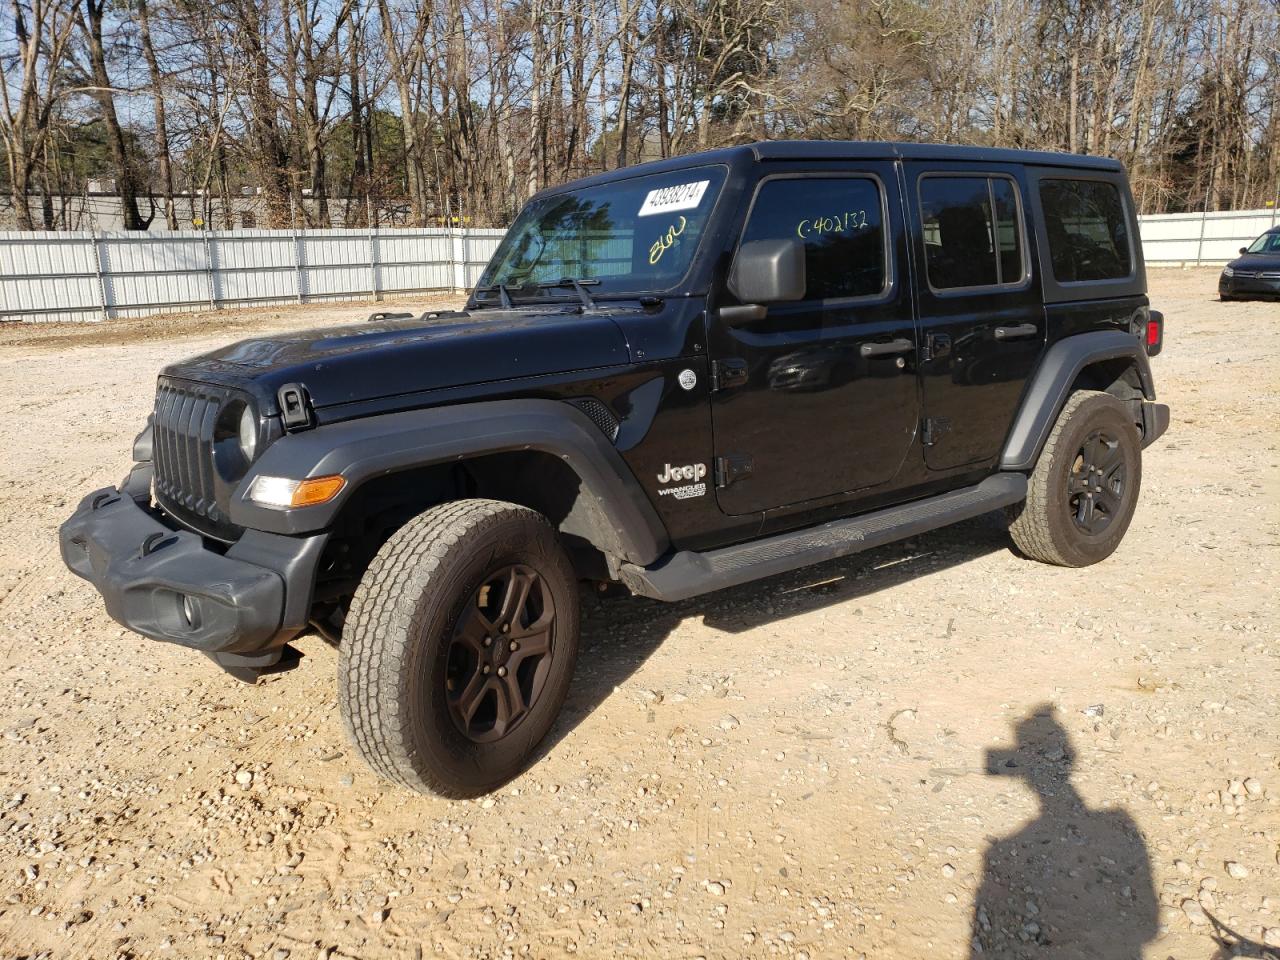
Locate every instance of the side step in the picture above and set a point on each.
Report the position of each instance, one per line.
(687, 574)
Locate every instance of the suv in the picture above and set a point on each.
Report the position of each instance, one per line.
(671, 378)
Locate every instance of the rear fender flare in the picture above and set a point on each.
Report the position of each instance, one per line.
(364, 449)
(1051, 385)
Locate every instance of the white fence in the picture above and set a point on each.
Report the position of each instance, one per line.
(92, 276)
(1186, 239)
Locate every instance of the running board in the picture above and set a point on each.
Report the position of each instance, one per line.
(687, 574)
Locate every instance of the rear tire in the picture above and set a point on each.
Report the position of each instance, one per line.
(1084, 488)
(459, 647)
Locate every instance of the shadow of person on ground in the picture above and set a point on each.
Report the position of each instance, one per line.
(1073, 883)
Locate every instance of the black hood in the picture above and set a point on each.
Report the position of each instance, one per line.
(366, 361)
(1256, 261)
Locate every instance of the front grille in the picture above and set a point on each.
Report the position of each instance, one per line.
(182, 450)
(1269, 275)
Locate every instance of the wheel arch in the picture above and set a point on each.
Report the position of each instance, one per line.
(1111, 361)
(543, 454)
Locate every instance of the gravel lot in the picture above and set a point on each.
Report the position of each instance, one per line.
(895, 755)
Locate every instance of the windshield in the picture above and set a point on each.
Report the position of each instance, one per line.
(1267, 243)
(628, 236)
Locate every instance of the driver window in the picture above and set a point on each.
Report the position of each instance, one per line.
(840, 221)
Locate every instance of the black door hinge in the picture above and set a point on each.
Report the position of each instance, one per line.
(936, 347)
(295, 406)
(730, 372)
(932, 429)
(731, 468)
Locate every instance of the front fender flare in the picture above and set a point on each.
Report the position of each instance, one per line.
(1051, 385)
(363, 449)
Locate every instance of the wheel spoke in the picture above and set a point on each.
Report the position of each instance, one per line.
(542, 625)
(471, 697)
(515, 596)
(515, 696)
(473, 626)
(1115, 475)
(1092, 450)
(505, 714)
(537, 639)
(1110, 501)
(1111, 456)
(1084, 511)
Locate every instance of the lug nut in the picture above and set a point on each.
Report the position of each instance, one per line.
(514, 645)
(506, 628)
(502, 671)
(485, 669)
(488, 641)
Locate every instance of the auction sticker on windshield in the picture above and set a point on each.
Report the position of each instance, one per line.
(682, 196)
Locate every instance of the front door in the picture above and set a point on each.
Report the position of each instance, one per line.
(818, 398)
(982, 319)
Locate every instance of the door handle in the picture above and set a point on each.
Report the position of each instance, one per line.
(1016, 333)
(884, 349)
(744, 313)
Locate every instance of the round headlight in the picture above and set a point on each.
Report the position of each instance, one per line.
(1228, 272)
(248, 433)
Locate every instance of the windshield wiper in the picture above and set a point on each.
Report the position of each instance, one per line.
(579, 287)
(504, 295)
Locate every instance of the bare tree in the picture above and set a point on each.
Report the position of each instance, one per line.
(42, 32)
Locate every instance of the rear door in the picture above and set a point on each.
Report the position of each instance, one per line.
(818, 398)
(981, 313)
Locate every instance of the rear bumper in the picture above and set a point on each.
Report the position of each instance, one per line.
(167, 584)
(1155, 421)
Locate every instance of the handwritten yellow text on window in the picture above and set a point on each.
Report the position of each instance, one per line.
(667, 240)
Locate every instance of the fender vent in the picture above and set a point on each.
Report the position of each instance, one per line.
(600, 415)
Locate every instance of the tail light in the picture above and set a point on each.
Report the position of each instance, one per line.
(1155, 333)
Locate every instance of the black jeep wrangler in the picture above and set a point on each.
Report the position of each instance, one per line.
(674, 378)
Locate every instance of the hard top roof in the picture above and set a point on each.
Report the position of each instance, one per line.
(767, 150)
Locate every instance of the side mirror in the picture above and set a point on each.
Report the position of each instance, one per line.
(1244, 250)
(768, 271)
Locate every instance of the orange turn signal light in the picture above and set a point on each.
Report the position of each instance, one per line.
(317, 490)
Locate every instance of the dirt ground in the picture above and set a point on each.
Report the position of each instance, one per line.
(900, 754)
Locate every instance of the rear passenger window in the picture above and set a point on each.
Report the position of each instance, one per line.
(972, 232)
(1087, 230)
(841, 223)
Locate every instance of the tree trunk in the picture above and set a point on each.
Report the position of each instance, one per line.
(104, 94)
(162, 127)
(402, 71)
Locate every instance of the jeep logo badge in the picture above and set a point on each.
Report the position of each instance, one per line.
(691, 471)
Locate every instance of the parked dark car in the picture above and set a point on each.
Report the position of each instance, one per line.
(671, 379)
(1256, 272)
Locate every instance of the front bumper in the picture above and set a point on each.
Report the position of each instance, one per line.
(168, 584)
(1253, 286)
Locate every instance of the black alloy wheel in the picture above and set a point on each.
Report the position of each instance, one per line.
(500, 653)
(1095, 489)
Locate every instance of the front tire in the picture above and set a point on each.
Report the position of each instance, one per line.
(459, 647)
(1083, 491)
